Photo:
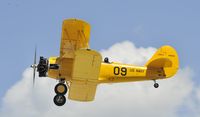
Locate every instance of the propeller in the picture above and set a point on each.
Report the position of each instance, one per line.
(34, 66)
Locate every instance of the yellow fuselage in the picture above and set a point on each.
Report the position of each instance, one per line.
(109, 72)
(116, 72)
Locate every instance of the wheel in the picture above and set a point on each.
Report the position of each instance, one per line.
(156, 85)
(60, 88)
(59, 100)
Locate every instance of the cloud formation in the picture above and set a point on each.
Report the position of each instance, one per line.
(127, 52)
(175, 97)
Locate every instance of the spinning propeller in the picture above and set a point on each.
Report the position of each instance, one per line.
(34, 66)
(42, 66)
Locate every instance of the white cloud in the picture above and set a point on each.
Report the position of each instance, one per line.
(138, 99)
(126, 52)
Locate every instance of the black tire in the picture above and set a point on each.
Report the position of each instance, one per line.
(59, 100)
(156, 85)
(60, 85)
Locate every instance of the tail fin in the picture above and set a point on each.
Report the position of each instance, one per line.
(166, 58)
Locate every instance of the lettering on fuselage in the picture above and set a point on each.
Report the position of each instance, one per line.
(132, 70)
(136, 70)
(123, 70)
(140, 70)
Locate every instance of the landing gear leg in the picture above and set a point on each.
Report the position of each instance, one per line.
(60, 90)
(156, 85)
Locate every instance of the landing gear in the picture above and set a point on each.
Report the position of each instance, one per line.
(59, 100)
(156, 85)
(60, 90)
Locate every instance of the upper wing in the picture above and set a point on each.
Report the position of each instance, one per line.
(75, 35)
(85, 75)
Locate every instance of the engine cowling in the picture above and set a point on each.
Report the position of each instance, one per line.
(42, 67)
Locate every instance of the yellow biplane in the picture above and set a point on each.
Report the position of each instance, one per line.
(80, 69)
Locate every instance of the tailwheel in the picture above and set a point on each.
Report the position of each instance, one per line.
(59, 100)
(60, 88)
(156, 85)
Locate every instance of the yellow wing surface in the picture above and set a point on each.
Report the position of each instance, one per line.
(85, 75)
(165, 58)
(75, 35)
(83, 64)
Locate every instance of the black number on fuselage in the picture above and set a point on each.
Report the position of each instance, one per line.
(116, 70)
(122, 71)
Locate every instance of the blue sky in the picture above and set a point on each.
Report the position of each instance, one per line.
(153, 23)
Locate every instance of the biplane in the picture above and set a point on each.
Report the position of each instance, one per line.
(80, 69)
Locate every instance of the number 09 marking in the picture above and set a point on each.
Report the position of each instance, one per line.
(122, 71)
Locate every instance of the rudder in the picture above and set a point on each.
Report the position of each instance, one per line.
(166, 58)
